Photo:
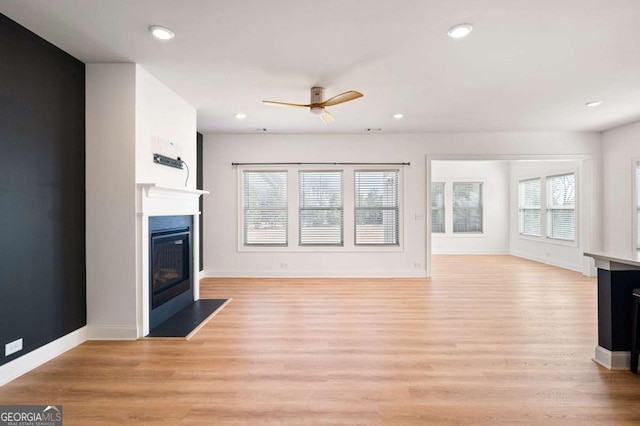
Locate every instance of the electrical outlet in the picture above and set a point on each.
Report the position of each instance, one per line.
(283, 266)
(13, 347)
(417, 265)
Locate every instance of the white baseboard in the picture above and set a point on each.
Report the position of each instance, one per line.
(417, 273)
(619, 360)
(111, 333)
(468, 251)
(16, 368)
(549, 261)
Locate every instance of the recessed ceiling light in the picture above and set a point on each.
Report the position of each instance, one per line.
(593, 104)
(460, 31)
(163, 33)
(241, 116)
(398, 116)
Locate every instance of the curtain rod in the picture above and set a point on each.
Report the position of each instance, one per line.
(321, 164)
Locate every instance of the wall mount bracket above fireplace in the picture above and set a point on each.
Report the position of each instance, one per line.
(168, 161)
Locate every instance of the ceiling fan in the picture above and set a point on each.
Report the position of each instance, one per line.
(317, 104)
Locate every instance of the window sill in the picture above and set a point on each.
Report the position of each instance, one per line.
(322, 249)
(547, 240)
(458, 235)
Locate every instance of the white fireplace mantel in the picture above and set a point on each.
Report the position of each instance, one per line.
(154, 200)
(157, 200)
(153, 189)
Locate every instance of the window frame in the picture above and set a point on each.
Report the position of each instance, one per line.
(348, 212)
(636, 203)
(548, 210)
(443, 208)
(542, 175)
(242, 216)
(339, 209)
(521, 208)
(398, 209)
(482, 206)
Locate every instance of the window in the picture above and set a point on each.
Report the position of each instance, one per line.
(265, 208)
(561, 207)
(296, 208)
(529, 207)
(638, 205)
(376, 208)
(437, 207)
(320, 208)
(467, 207)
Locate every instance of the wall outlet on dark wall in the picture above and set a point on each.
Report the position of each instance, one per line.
(13, 347)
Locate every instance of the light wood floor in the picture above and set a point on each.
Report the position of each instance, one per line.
(489, 339)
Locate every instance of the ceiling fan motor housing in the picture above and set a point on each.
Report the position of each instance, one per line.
(317, 97)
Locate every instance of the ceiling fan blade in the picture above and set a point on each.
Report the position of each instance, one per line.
(286, 104)
(327, 117)
(342, 97)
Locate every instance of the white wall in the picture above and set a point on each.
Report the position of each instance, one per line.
(221, 254)
(165, 124)
(126, 109)
(620, 147)
(110, 183)
(554, 252)
(495, 178)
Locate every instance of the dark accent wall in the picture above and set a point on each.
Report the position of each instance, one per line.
(199, 183)
(42, 184)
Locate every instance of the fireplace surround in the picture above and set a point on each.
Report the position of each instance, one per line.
(163, 211)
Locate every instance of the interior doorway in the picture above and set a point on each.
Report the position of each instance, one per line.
(473, 206)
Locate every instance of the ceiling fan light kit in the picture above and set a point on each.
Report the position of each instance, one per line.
(317, 103)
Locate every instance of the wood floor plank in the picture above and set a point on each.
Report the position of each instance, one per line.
(486, 340)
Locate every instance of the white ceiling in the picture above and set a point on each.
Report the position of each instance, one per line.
(529, 65)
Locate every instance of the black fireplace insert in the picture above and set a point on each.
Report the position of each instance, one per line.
(170, 265)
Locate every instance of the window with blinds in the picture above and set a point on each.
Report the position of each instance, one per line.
(561, 207)
(437, 207)
(377, 207)
(320, 207)
(638, 205)
(529, 207)
(467, 207)
(265, 208)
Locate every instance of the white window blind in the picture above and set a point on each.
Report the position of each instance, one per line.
(529, 207)
(638, 206)
(437, 207)
(561, 207)
(376, 208)
(467, 207)
(265, 209)
(320, 208)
